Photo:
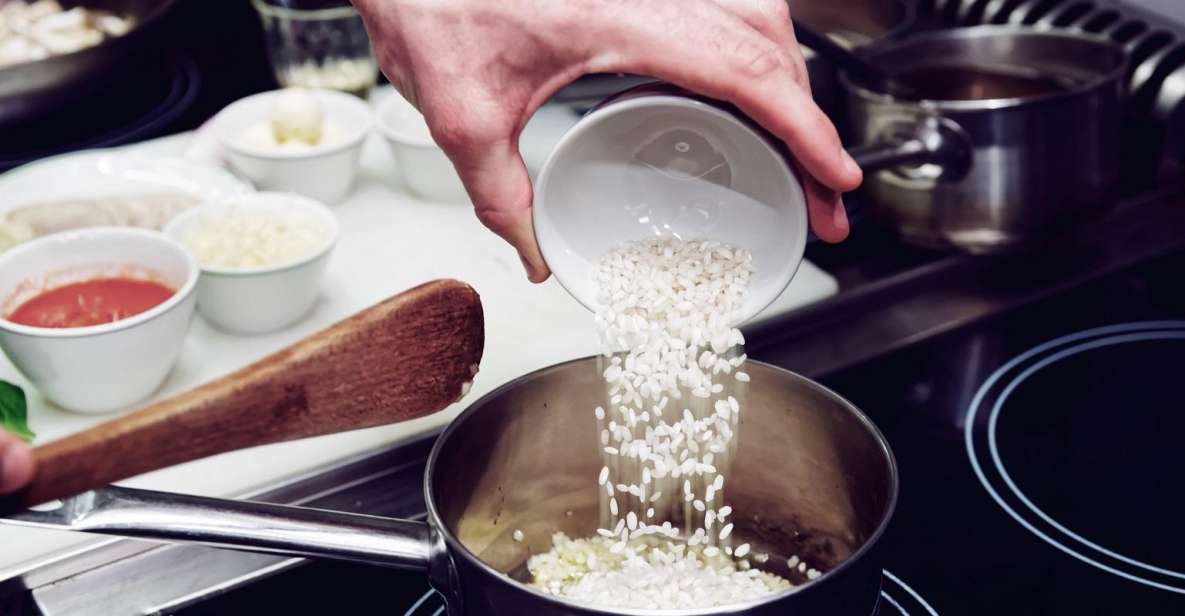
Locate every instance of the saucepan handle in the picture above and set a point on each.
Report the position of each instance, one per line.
(931, 140)
(241, 525)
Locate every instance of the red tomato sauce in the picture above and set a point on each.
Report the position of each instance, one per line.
(91, 302)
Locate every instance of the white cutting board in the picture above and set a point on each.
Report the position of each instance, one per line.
(390, 241)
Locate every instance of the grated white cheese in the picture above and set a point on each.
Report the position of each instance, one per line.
(242, 237)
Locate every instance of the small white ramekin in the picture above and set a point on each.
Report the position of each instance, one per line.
(325, 173)
(258, 300)
(100, 368)
(422, 164)
(601, 186)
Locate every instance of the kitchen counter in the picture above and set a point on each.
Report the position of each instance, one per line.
(390, 241)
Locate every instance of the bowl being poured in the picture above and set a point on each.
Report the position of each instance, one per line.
(657, 162)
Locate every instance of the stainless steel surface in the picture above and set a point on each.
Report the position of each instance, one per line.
(935, 141)
(813, 478)
(857, 23)
(843, 58)
(260, 527)
(853, 24)
(1156, 44)
(1035, 163)
(35, 88)
(128, 576)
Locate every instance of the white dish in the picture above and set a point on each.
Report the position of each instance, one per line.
(106, 367)
(422, 164)
(653, 163)
(324, 172)
(100, 173)
(258, 300)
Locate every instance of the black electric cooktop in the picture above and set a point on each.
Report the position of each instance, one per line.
(1040, 458)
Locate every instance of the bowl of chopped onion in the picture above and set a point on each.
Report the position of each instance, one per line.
(262, 257)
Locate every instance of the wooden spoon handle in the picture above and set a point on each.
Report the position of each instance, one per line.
(407, 357)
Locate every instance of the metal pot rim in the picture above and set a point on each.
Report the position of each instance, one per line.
(455, 548)
(1101, 81)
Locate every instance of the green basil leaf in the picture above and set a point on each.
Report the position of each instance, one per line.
(14, 411)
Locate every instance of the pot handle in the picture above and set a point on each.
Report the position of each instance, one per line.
(932, 140)
(241, 525)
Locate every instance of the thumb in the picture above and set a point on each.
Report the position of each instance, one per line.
(16, 463)
(498, 184)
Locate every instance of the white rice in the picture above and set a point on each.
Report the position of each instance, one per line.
(647, 574)
(667, 434)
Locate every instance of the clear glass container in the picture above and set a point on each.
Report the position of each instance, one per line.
(318, 48)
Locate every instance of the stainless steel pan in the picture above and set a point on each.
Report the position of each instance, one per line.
(813, 477)
(996, 174)
(36, 88)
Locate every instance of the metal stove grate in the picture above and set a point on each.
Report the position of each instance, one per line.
(1156, 48)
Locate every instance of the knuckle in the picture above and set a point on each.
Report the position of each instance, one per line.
(822, 127)
(821, 124)
(460, 131)
(759, 61)
(450, 130)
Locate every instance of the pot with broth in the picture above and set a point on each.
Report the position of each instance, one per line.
(1016, 132)
(974, 83)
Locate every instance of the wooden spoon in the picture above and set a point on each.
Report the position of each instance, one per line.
(407, 357)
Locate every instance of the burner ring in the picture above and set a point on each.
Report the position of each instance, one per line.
(1001, 384)
(911, 595)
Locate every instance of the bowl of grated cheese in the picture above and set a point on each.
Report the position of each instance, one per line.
(262, 257)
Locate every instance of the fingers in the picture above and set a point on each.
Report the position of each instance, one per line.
(500, 188)
(828, 218)
(772, 19)
(723, 57)
(16, 463)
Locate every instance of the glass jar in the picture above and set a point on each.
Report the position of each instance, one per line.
(318, 47)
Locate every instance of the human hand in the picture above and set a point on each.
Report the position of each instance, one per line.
(16, 463)
(478, 70)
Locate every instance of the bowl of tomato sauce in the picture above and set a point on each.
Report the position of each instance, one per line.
(95, 318)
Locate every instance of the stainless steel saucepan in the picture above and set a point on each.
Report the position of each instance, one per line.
(1018, 133)
(812, 477)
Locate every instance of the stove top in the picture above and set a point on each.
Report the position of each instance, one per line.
(1039, 460)
(153, 96)
(897, 598)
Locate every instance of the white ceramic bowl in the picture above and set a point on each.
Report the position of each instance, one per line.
(422, 164)
(258, 300)
(107, 367)
(655, 163)
(324, 173)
